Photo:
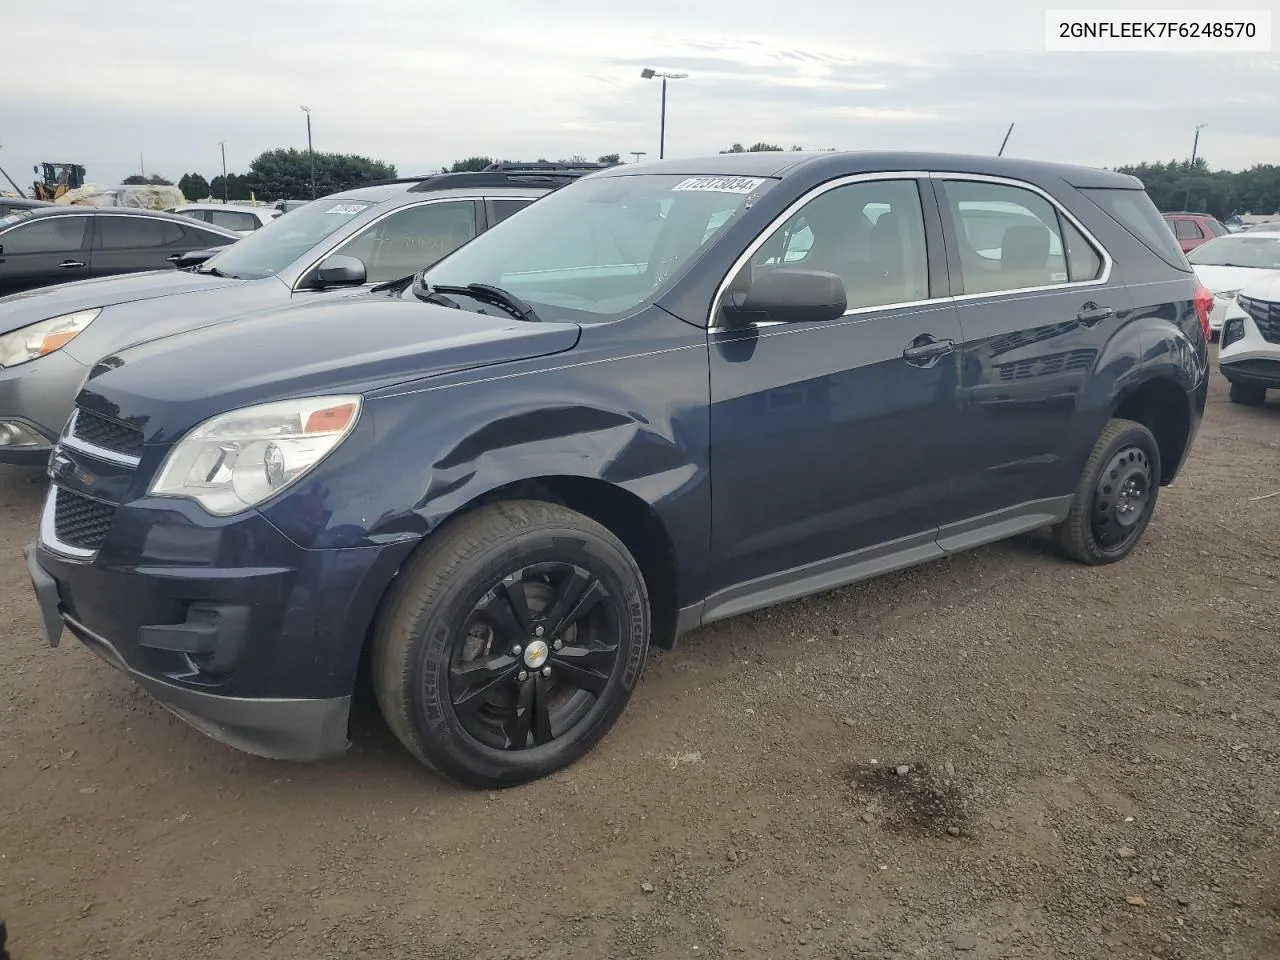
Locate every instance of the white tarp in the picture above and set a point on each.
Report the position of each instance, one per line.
(146, 196)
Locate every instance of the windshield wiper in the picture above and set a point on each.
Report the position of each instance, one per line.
(488, 293)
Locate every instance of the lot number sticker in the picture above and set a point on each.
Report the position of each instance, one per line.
(346, 209)
(720, 184)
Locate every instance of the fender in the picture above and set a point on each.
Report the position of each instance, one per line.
(633, 417)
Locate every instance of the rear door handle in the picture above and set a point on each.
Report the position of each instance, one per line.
(68, 264)
(1091, 314)
(925, 351)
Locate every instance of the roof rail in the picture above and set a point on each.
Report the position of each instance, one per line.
(545, 166)
(522, 175)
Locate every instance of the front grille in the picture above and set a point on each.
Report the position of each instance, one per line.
(79, 521)
(107, 433)
(1265, 316)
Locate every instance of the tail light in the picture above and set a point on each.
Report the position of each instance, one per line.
(1204, 307)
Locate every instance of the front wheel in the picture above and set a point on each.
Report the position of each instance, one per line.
(1115, 497)
(512, 643)
(1247, 394)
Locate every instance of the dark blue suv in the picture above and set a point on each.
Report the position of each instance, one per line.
(662, 395)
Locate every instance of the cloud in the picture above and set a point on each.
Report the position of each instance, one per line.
(421, 87)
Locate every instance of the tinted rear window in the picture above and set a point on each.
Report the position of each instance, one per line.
(1134, 211)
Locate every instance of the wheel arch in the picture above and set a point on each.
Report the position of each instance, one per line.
(1162, 405)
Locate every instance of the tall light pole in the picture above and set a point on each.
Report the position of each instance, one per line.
(638, 154)
(226, 192)
(648, 74)
(1195, 144)
(310, 152)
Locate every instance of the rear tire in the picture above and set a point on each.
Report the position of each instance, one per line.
(511, 644)
(1248, 394)
(1115, 497)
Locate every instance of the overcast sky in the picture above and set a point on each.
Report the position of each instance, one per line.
(423, 84)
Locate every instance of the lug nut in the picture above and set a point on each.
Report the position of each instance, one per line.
(546, 671)
(522, 676)
(517, 650)
(538, 631)
(558, 644)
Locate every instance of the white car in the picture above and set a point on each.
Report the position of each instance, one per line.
(1227, 264)
(1249, 355)
(242, 220)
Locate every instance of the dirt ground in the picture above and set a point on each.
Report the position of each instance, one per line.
(1092, 770)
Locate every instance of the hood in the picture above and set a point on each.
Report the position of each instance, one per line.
(349, 345)
(20, 309)
(1227, 279)
(1266, 287)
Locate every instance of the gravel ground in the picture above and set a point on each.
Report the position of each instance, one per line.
(997, 755)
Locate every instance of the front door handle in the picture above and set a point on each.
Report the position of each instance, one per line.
(68, 264)
(1091, 314)
(925, 351)
(174, 259)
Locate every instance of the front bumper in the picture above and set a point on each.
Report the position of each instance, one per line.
(39, 396)
(1252, 371)
(249, 638)
(279, 729)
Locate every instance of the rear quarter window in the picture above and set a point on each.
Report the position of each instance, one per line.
(1134, 211)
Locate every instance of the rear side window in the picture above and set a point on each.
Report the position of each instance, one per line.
(1187, 230)
(1134, 211)
(1216, 228)
(1009, 237)
(506, 206)
(233, 219)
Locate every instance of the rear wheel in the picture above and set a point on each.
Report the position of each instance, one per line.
(1248, 394)
(1115, 497)
(511, 645)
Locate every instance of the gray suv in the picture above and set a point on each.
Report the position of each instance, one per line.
(50, 338)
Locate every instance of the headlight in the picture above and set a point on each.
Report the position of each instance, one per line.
(237, 460)
(37, 339)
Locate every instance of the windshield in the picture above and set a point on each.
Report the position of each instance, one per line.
(1262, 253)
(598, 248)
(275, 245)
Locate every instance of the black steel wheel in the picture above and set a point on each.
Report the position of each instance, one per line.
(1116, 495)
(512, 643)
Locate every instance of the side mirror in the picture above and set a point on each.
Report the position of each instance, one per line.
(340, 271)
(789, 295)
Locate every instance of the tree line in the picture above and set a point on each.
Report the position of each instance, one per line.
(286, 174)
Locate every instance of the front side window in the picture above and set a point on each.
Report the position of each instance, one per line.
(410, 239)
(601, 247)
(201, 215)
(505, 206)
(870, 234)
(132, 233)
(1011, 238)
(46, 235)
(267, 251)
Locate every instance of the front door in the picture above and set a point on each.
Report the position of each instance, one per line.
(44, 251)
(130, 244)
(830, 441)
(1037, 304)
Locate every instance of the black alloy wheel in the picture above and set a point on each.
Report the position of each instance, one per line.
(539, 650)
(511, 643)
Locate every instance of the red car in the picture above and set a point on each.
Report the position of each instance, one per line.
(1193, 229)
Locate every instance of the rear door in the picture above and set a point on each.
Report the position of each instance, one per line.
(1037, 301)
(129, 244)
(43, 251)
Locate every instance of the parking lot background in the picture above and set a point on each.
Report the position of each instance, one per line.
(1092, 770)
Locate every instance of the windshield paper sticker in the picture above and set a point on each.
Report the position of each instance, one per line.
(720, 184)
(346, 209)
